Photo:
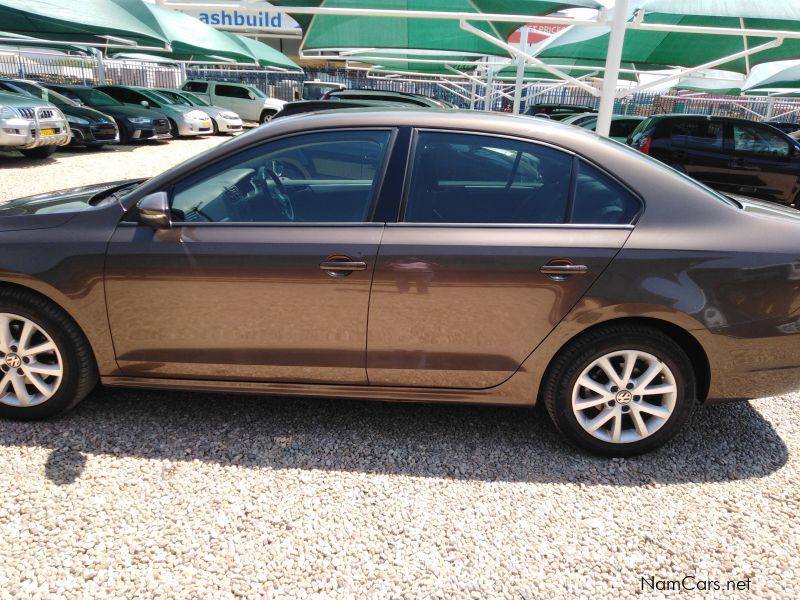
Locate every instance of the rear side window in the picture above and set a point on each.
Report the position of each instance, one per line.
(196, 86)
(599, 200)
(622, 128)
(464, 178)
(753, 139)
(232, 91)
(698, 135)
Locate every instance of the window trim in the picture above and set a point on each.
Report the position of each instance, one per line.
(377, 191)
(572, 187)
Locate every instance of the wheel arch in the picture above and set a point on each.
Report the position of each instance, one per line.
(687, 342)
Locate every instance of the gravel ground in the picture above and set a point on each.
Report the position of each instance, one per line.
(143, 494)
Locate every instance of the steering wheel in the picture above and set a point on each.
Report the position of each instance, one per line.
(278, 194)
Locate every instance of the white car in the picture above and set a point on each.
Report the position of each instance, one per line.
(32, 126)
(223, 120)
(250, 103)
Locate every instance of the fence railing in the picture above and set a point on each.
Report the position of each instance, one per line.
(58, 68)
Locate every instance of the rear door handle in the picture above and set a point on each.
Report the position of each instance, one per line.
(563, 269)
(344, 265)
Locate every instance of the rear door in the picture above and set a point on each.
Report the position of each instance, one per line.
(698, 146)
(764, 163)
(498, 239)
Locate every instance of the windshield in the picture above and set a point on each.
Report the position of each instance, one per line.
(195, 100)
(176, 97)
(163, 98)
(256, 91)
(94, 97)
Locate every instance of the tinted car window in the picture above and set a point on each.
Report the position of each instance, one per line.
(232, 91)
(699, 135)
(322, 177)
(753, 139)
(462, 178)
(196, 86)
(622, 128)
(600, 200)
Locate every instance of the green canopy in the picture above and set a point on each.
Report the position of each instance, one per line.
(31, 42)
(328, 32)
(689, 49)
(264, 55)
(781, 74)
(713, 81)
(87, 21)
(570, 66)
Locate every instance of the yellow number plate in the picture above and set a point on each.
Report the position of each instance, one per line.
(48, 131)
(206, 123)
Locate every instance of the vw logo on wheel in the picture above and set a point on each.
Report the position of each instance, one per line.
(624, 396)
(13, 361)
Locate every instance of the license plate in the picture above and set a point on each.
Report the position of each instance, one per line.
(206, 123)
(48, 131)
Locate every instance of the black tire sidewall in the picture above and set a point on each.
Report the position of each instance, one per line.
(64, 398)
(660, 346)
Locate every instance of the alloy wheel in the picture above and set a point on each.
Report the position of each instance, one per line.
(624, 396)
(31, 368)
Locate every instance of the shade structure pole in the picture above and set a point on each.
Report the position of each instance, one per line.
(472, 94)
(487, 96)
(523, 43)
(101, 67)
(611, 75)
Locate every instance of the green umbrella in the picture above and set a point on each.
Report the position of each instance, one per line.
(329, 32)
(15, 39)
(264, 55)
(87, 21)
(690, 49)
(783, 74)
(572, 67)
(713, 81)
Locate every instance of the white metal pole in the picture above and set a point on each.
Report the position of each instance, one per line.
(487, 96)
(523, 44)
(101, 67)
(472, 93)
(613, 59)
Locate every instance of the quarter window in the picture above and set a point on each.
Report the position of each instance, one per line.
(232, 91)
(196, 86)
(752, 139)
(599, 200)
(698, 135)
(464, 178)
(315, 177)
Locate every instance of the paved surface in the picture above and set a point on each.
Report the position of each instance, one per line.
(139, 494)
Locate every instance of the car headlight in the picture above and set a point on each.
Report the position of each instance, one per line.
(6, 112)
(139, 120)
(228, 115)
(197, 115)
(73, 120)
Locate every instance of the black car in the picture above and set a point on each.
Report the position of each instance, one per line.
(784, 126)
(310, 106)
(134, 123)
(734, 156)
(387, 96)
(89, 127)
(556, 111)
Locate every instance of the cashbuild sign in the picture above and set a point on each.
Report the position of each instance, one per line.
(231, 18)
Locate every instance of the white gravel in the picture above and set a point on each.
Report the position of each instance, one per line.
(140, 494)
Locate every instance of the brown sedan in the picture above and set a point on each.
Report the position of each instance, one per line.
(408, 255)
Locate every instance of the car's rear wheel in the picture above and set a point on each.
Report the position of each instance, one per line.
(124, 134)
(46, 364)
(620, 391)
(267, 115)
(40, 152)
(173, 128)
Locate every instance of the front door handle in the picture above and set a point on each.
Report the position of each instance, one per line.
(345, 265)
(563, 269)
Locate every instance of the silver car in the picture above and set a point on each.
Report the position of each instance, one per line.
(223, 120)
(183, 120)
(32, 126)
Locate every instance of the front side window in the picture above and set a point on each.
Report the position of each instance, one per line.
(232, 91)
(312, 178)
(465, 178)
(196, 86)
(752, 139)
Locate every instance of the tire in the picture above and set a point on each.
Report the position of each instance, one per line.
(173, 128)
(579, 359)
(214, 127)
(267, 115)
(124, 135)
(71, 351)
(41, 152)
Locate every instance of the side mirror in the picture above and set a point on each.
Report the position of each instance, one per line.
(251, 95)
(145, 103)
(154, 211)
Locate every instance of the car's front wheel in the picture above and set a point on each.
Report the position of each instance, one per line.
(40, 152)
(620, 391)
(46, 364)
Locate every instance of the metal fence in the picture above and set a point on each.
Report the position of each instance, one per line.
(59, 68)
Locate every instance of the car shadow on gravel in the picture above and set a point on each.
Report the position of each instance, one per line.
(724, 442)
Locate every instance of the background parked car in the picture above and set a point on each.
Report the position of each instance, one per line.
(183, 119)
(387, 96)
(134, 123)
(621, 126)
(310, 106)
(728, 154)
(223, 120)
(32, 126)
(557, 112)
(250, 103)
(89, 127)
(784, 126)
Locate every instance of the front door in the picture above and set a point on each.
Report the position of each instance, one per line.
(265, 275)
(500, 238)
(764, 164)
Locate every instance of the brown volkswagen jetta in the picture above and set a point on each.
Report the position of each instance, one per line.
(408, 255)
